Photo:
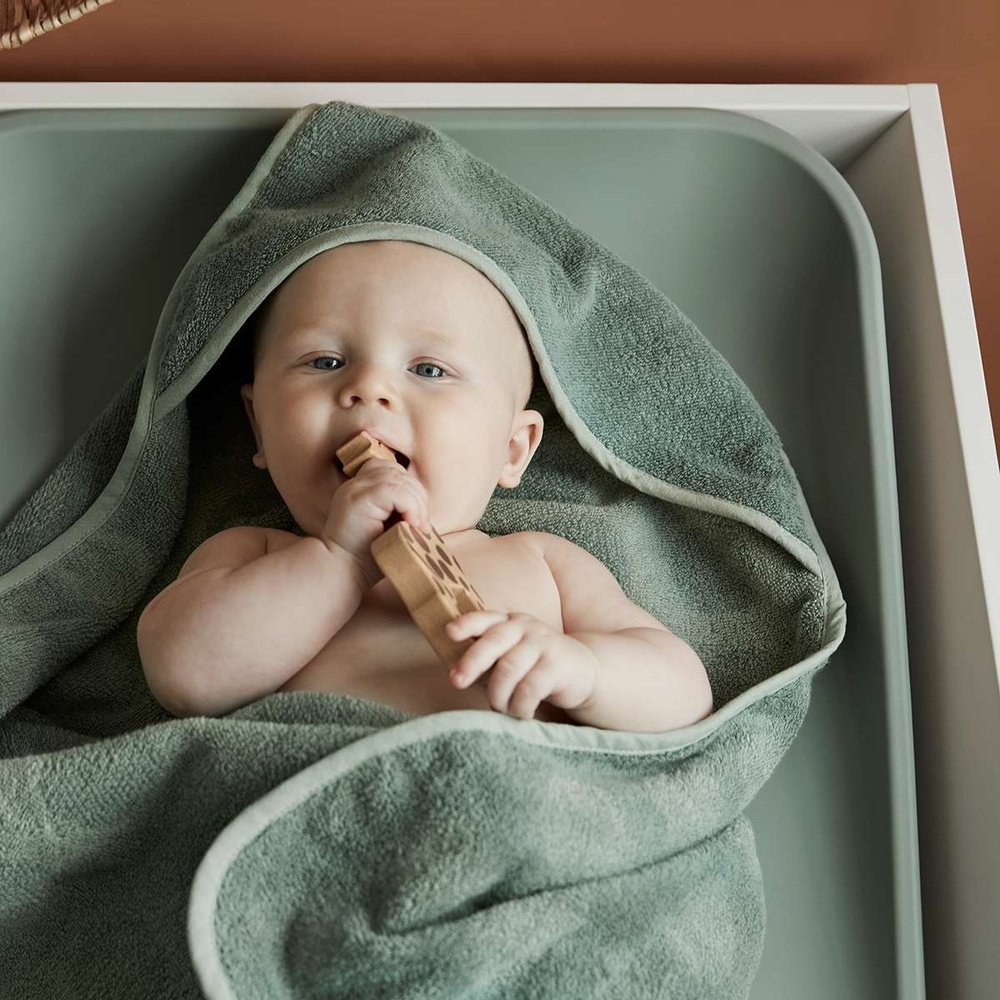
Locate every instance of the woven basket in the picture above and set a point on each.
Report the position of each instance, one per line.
(22, 20)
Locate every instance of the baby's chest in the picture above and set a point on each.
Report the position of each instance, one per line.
(381, 654)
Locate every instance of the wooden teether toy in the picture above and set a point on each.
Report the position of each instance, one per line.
(359, 449)
(419, 565)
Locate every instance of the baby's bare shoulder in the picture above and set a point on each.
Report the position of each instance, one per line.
(526, 547)
(564, 561)
(533, 541)
(592, 598)
(543, 544)
(278, 539)
(235, 546)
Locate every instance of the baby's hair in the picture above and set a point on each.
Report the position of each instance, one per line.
(252, 330)
(535, 376)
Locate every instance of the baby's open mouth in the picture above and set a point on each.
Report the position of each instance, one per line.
(402, 459)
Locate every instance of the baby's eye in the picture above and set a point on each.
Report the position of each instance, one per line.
(429, 364)
(323, 358)
(419, 364)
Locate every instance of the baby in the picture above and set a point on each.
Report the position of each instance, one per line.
(420, 349)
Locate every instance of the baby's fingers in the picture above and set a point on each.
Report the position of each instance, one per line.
(413, 505)
(474, 623)
(389, 497)
(415, 512)
(517, 682)
(499, 636)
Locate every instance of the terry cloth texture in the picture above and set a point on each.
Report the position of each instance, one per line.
(316, 845)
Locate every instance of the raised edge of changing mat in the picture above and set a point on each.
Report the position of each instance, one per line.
(547, 734)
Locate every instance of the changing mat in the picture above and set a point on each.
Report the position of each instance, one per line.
(317, 845)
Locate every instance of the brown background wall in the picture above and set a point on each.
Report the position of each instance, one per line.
(952, 43)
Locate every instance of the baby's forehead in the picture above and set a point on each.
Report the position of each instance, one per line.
(448, 295)
(473, 338)
(394, 257)
(454, 303)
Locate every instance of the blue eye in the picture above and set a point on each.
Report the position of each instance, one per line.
(326, 357)
(428, 364)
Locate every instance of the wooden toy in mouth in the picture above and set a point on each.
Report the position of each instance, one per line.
(419, 564)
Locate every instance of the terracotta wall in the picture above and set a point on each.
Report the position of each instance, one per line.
(952, 43)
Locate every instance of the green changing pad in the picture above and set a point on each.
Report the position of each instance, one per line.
(312, 844)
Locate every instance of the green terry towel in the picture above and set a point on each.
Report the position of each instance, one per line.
(317, 845)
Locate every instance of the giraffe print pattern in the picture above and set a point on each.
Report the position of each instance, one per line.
(443, 569)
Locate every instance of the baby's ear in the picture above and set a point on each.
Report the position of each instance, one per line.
(246, 391)
(525, 437)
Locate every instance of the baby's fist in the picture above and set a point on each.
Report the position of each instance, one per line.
(529, 662)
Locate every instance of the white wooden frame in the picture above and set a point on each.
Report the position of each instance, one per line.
(889, 143)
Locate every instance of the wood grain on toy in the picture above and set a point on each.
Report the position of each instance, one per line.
(419, 565)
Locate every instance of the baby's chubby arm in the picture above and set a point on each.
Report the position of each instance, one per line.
(239, 620)
(648, 679)
(639, 675)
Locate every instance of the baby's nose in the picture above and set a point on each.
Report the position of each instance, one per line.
(368, 383)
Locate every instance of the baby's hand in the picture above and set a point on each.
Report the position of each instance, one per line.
(532, 662)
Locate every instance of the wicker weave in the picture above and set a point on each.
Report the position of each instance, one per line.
(23, 20)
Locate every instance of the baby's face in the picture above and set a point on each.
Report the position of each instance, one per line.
(410, 343)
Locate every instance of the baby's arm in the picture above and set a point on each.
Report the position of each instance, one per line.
(648, 679)
(239, 621)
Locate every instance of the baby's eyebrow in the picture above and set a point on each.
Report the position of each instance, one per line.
(435, 336)
(307, 338)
